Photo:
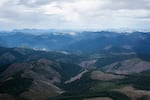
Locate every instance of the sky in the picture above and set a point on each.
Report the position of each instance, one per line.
(75, 14)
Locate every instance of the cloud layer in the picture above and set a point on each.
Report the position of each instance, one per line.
(75, 14)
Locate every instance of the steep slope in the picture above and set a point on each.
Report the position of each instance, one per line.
(35, 75)
(46, 76)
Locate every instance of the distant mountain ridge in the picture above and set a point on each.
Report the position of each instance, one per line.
(79, 42)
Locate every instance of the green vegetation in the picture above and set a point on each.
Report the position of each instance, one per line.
(117, 66)
(110, 94)
(144, 98)
(70, 70)
(3, 67)
(139, 81)
(105, 86)
(145, 57)
(66, 66)
(15, 86)
(81, 85)
(88, 88)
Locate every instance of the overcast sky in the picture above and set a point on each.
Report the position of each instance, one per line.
(74, 14)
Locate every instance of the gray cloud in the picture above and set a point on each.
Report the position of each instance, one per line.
(74, 13)
(33, 3)
(128, 4)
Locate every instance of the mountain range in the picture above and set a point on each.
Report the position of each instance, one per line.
(78, 41)
(74, 65)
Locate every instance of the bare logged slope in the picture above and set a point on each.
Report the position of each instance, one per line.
(99, 75)
(128, 66)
